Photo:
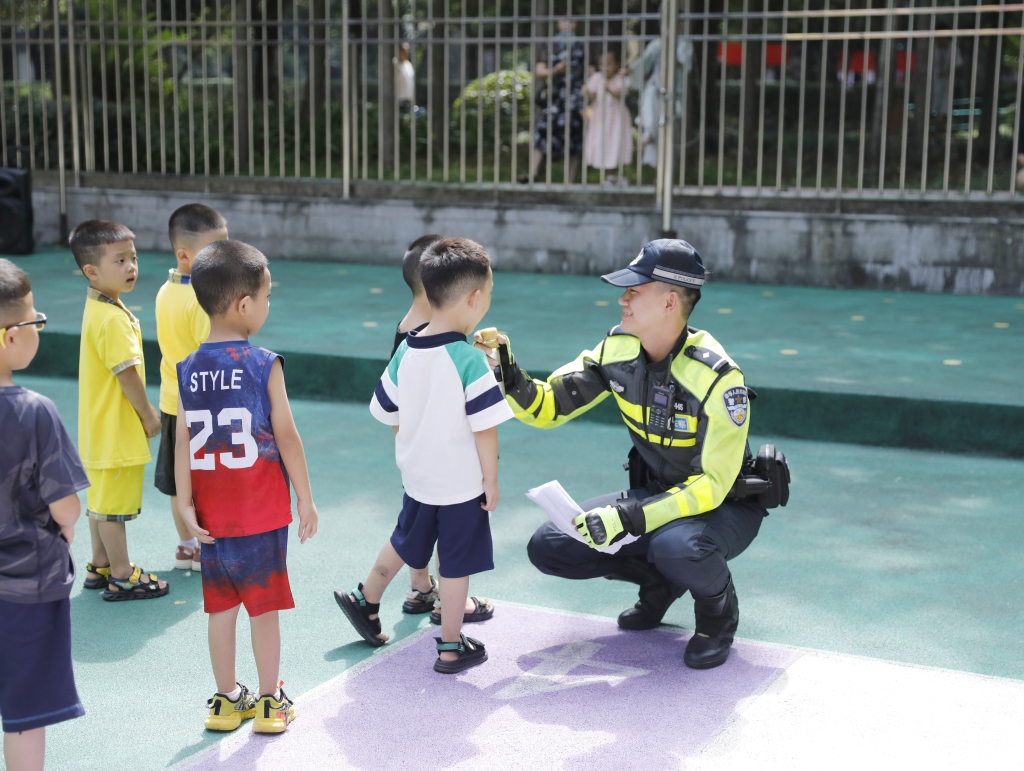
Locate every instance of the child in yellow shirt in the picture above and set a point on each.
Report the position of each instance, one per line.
(181, 327)
(115, 418)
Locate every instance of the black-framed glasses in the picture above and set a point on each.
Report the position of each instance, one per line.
(39, 321)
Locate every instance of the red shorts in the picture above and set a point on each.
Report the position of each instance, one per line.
(250, 570)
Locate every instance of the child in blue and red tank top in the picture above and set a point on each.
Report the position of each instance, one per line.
(236, 451)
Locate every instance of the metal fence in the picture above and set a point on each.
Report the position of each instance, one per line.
(705, 97)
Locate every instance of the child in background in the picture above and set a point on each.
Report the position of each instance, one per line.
(444, 405)
(236, 500)
(181, 325)
(609, 136)
(41, 475)
(115, 418)
(419, 312)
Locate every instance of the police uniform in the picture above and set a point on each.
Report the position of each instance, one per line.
(688, 417)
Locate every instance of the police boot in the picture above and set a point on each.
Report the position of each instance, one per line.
(657, 594)
(717, 619)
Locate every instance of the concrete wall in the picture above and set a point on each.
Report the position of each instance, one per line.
(905, 250)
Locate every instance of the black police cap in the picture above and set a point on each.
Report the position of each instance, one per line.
(669, 260)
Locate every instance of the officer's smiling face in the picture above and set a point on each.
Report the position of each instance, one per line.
(644, 307)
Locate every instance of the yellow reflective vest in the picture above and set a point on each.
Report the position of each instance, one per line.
(697, 457)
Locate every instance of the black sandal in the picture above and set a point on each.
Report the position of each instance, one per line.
(417, 602)
(97, 583)
(483, 609)
(358, 612)
(138, 586)
(472, 653)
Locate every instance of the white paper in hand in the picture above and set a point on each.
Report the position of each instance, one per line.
(561, 509)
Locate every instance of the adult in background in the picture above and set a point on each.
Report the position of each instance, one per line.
(686, 406)
(559, 99)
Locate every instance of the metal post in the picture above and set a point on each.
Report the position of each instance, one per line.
(346, 107)
(670, 104)
(72, 90)
(59, 98)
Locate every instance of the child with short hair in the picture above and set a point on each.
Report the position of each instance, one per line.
(181, 325)
(422, 596)
(42, 475)
(232, 471)
(444, 405)
(115, 418)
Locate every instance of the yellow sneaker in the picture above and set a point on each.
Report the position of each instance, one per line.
(227, 715)
(273, 714)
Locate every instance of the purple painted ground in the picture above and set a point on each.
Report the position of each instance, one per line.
(559, 691)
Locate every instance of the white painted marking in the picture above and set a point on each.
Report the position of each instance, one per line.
(554, 671)
(837, 712)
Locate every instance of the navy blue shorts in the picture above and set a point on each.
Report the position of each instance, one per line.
(462, 532)
(37, 682)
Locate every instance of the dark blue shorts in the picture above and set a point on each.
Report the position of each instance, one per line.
(250, 570)
(462, 532)
(37, 682)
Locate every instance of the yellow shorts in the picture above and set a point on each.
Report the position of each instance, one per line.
(115, 494)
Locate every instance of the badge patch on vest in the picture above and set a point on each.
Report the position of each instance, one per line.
(736, 403)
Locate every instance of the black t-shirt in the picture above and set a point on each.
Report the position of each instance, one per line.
(400, 336)
(38, 465)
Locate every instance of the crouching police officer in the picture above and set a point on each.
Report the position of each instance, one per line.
(696, 495)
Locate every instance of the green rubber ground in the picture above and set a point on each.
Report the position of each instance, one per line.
(809, 339)
(903, 555)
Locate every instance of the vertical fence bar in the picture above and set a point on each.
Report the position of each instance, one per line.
(3, 99)
(46, 112)
(841, 130)
(908, 66)
(346, 106)
(311, 88)
(821, 103)
(763, 53)
(190, 84)
(327, 89)
(702, 129)
(684, 118)
(132, 48)
(783, 61)
(220, 86)
(103, 89)
(659, 184)
(445, 103)
(533, 91)
(59, 101)
(296, 98)
(993, 133)
(865, 69)
(117, 89)
(1016, 122)
(670, 82)
(175, 101)
(365, 45)
(953, 52)
(281, 155)
(741, 142)
(970, 105)
(250, 147)
(724, 44)
(480, 92)
(886, 79)
(497, 96)
(203, 51)
(265, 68)
(89, 119)
(72, 91)
(800, 109)
(462, 95)
(926, 129)
(160, 87)
(514, 130)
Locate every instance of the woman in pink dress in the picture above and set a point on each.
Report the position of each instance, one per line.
(610, 134)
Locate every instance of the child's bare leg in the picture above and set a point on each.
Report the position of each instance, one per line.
(179, 523)
(384, 570)
(419, 579)
(25, 750)
(470, 607)
(99, 554)
(222, 648)
(266, 647)
(453, 592)
(115, 545)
